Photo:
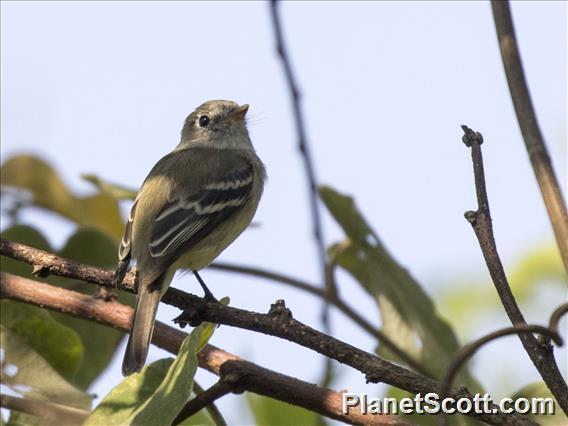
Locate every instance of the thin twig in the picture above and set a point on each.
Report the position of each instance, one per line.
(553, 322)
(250, 377)
(202, 400)
(556, 315)
(470, 349)
(541, 355)
(304, 149)
(212, 409)
(332, 298)
(300, 133)
(48, 411)
(534, 142)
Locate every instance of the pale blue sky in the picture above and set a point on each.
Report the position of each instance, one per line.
(104, 88)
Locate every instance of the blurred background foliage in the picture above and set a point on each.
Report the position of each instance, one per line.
(55, 357)
(539, 266)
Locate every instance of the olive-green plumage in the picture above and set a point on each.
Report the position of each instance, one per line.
(195, 202)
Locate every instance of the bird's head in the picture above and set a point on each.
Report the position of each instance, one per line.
(216, 123)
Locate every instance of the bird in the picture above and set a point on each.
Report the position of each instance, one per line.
(192, 205)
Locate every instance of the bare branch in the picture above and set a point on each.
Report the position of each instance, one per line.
(556, 315)
(534, 142)
(303, 146)
(277, 323)
(48, 411)
(541, 354)
(212, 409)
(251, 377)
(305, 152)
(202, 400)
(46, 263)
(332, 298)
(469, 350)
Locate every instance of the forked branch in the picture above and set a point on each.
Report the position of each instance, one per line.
(541, 354)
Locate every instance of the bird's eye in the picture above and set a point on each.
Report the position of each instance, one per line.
(204, 120)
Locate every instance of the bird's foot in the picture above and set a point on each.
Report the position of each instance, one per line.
(194, 317)
(105, 293)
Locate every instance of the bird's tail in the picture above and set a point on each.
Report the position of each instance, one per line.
(142, 326)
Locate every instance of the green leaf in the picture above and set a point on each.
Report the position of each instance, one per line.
(26, 235)
(50, 192)
(22, 419)
(208, 328)
(92, 247)
(26, 372)
(59, 345)
(268, 411)
(70, 417)
(539, 390)
(116, 191)
(174, 391)
(155, 395)
(118, 407)
(200, 418)
(408, 315)
(100, 344)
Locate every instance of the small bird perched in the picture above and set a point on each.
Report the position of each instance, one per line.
(195, 202)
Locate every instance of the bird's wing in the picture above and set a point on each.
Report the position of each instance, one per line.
(126, 242)
(185, 221)
(124, 249)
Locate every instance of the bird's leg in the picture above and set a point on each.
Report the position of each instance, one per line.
(193, 318)
(107, 293)
(208, 295)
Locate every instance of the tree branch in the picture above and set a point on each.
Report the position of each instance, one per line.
(244, 374)
(45, 263)
(277, 323)
(556, 315)
(303, 146)
(541, 354)
(204, 399)
(332, 298)
(50, 412)
(534, 142)
(305, 152)
(469, 350)
(212, 409)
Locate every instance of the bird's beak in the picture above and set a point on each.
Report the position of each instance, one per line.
(239, 113)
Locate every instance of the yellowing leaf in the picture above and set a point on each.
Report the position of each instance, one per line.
(50, 192)
(114, 190)
(408, 315)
